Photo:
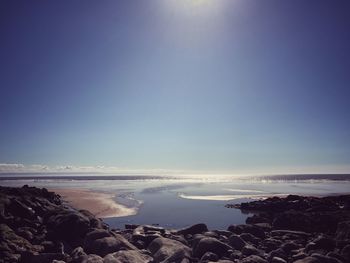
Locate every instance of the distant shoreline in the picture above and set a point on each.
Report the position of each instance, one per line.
(79, 176)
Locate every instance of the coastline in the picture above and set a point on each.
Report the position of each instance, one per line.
(37, 226)
(100, 204)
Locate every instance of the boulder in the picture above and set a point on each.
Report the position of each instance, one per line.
(147, 233)
(252, 229)
(323, 242)
(163, 248)
(345, 252)
(209, 256)
(127, 256)
(194, 229)
(308, 260)
(253, 259)
(210, 244)
(67, 225)
(106, 245)
(343, 230)
(325, 259)
(278, 260)
(248, 250)
(236, 242)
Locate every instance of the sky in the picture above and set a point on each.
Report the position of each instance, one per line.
(189, 86)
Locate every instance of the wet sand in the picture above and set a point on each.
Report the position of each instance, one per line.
(100, 204)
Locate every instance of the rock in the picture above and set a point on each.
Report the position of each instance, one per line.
(126, 256)
(163, 248)
(248, 250)
(337, 256)
(42, 258)
(278, 260)
(297, 234)
(308, 260)
(325, 259)
(252, 229)
(279, 252)
(270, 244)
(14, 243)
(91, 258)
(17, 208)
(147, 233)
(293, 220)
(345, 252)
(209, 256)
(236, 242)
(250, 238)
(210, 244)
(94, 222)
(343, 230)
(194, 229)
(322, 242)
(289, 246)
(68, 225)
(106, 245)
(299, 256)
(253, 259)
(78, 254)
(52, 247)
(236, 255)
(179, 256)
(93, 235)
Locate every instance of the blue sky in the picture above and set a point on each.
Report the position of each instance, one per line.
(190, 85)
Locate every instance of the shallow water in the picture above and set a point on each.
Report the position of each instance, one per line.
(179, 202)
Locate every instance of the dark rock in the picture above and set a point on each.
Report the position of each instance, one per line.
(106, 245)
(308, 260)
(17, 208)
(253, 259)
(278, 260)
(68, 225)
(279, 252)
(52, 247)
(289, 246)
(94, 222)
(343, 230)
(127, 256)
(270, 244)
(91, 258)
(209, 256)
(210, 244)
(325, 259)
(194, 229)
(252, 229)
(162, 248)
(236, 242)
(147, 233)
(131, 226)
(345, 252)
(337, 256)
(250, 238)
(323, 242)
(236, 255)
(78, 254)
(42, 258)
(248, 250)
(297, 234)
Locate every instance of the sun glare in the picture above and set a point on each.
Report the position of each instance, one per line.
(195, 7)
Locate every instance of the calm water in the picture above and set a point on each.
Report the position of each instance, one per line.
(176, 203)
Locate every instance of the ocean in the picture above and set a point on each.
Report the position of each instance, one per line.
(176, 202)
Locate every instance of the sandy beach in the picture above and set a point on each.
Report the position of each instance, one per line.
(100, 204)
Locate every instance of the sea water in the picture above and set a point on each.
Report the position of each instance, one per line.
(182, 201)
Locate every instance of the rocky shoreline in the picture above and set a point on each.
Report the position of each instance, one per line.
(36, 226)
